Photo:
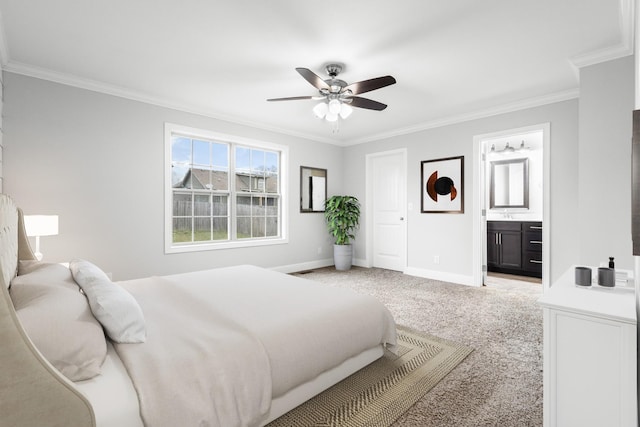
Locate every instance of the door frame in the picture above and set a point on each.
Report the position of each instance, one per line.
(369, 205)
(479, 220)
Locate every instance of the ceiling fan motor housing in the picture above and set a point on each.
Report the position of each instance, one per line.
(333, 69)
(336, 85)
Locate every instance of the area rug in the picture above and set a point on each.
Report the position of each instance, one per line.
(378, 394)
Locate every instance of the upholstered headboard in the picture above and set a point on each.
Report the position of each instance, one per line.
(32, 392)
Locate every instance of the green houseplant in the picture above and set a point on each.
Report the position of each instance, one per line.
(342, 214)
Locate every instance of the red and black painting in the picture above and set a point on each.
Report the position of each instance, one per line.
(442, 185)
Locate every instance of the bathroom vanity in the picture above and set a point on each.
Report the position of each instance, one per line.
(515, 247)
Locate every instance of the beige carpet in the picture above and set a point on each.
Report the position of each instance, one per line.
(378, 394)
(500, 382)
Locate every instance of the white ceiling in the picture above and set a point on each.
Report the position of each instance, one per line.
(453, 60)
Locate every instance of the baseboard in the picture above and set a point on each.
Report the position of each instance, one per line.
(328, 262)
(411, 271)
(360, 263)
(440, 275)
(310, 265)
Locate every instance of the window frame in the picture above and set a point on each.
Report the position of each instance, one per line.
(169, 246)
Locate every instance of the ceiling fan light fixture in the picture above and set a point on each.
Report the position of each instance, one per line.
(320, 110)
(331, 117)
(335, 106)
(337, 96)
(345, 111)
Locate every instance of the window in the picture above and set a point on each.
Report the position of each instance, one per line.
(222, 191)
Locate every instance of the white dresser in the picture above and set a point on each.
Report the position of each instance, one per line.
(589, 355)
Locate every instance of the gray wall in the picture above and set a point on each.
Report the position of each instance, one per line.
(604, 207)
(450, 235)
(98, 162)
(590, 178)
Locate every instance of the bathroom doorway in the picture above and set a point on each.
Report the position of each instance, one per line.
(511, 212)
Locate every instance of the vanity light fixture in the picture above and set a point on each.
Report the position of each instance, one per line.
(508, 148)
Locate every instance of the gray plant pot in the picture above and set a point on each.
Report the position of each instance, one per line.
(342, 256)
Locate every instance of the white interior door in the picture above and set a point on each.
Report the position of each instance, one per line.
(387, 177)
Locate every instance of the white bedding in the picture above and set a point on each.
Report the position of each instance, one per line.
(309, 335)
(197, 367)
(304, 328)
(112, 396)
(115, 402)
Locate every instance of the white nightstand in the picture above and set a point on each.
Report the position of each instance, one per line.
(589, 355)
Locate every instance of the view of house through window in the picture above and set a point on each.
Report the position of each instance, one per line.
(223, 191)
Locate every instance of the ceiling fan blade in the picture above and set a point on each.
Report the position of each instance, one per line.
(369, 104)
(315, 80)
(292, 98)
(369, 85)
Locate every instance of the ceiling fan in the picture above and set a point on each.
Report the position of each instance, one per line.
(338, 97)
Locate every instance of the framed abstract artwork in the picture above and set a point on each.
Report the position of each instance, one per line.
(442, 185)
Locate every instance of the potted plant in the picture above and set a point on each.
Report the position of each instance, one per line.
(343, 216)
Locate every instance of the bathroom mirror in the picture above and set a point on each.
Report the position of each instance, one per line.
(313, 189)
(509, 186)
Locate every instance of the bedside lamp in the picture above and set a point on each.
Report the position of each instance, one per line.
(40, 225)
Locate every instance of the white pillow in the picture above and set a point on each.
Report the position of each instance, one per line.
(115, 308)
(57, 318)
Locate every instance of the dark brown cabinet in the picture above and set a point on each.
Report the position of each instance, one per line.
(532, 247)
(514, 247)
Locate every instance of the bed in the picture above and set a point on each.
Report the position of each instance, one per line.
(232, 346)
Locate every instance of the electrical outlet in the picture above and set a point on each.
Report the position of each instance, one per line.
(436, 259)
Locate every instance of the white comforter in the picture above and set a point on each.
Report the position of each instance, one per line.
(222, 343)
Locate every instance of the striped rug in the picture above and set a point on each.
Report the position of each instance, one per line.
(378, 394)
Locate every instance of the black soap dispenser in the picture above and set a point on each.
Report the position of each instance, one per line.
(611, 263)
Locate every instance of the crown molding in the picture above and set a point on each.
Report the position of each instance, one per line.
(475, 115)
(100, 87)
(601, 55)
(95, 86)
(624, 48)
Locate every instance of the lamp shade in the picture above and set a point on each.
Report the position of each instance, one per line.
(41, 225)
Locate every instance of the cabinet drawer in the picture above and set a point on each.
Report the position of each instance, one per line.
(533, 262)
(532, 241)
(532, 226)
(504, 226)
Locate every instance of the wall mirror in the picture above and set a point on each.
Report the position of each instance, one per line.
(313, 189)
(509, 185)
